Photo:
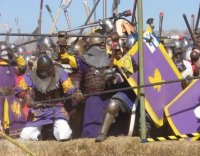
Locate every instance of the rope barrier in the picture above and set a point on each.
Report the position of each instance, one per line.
(17, 144)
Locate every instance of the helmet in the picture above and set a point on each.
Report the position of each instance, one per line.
(107, 25)
(3, 46)
(13, 47)
(149, 21)
(44, 44)
(186, 54)
(194, 55)
(21, 49)
(44, 66)
(94, 40)
(131, 40)
(80, 47)
(4, 50)
(177, 44)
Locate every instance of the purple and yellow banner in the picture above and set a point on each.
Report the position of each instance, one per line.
(158, 67)
(180, 111)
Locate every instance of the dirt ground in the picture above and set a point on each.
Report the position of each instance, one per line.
(113, 146)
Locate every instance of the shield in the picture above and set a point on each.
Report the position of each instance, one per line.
(158, 67)
(180, 111)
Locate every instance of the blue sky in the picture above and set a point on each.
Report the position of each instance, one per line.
(27, 13)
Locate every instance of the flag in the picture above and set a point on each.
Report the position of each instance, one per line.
(65, 4)
(180, 111)
(158, 67)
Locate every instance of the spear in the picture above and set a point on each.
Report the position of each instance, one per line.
(50, 13)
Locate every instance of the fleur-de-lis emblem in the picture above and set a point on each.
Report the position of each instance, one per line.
(16, 109)
(157, 77)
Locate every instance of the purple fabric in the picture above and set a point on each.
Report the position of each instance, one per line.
(181, 111)
(39, 117)
(7, 78)
(16, 115)
(93, 115)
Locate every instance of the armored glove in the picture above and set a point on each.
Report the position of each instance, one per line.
(78, 95)
(29, 100)
(109, 75)
(112, 77)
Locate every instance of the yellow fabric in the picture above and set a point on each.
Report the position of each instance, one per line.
(6, 121)
(20, 61)
(72, 59)
(16, 109)
(3, 62)
(22, 84)
(67, 85)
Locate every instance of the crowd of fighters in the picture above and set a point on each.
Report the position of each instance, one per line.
(78, 69)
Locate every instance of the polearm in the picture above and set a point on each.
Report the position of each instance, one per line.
(87, 10)
(88, 18)
(22, 44)
(56, 18)
(192, 21)
(160, 24)
(115, 7)
(95, 14)
(63, 5)
(197, 22)
(50, 13)
(189, 28)
(104, 9)
(18, 29)
(7, 39)
(52, 35)
(67, 19)
(133, 19)
(40, 18)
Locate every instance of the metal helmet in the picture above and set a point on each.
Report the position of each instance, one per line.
(21, 49)
(4, 50)
(186, 54)
(177, 44)
(107, 25)
(131, 40)
(44, 44)
(13, 47)
(44, 66)
(94, 40)
(79, 48)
